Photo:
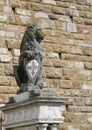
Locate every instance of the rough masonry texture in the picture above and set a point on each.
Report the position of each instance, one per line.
(67, 61)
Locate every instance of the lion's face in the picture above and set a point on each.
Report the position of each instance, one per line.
(36, 32)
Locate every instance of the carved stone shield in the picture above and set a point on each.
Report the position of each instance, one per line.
(32, 68)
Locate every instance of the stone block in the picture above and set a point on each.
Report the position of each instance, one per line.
(1, 26)
(4, 98)
(71, 27)
(60, 25)
(39, 7)
(28, 13)
(7, 89)
(87, 51)
(41, 15)
(3, 50)
(58, 10)
(54, 73)
(86, 109)
(51, 2)
(7, 9)
(88, 102)
(5, 58)
(47, 62)
(66, 84)
(2, 43)
(53, 56)
(14, 28)
(2, 34)
(89, 118)
(3, 18)
(17, 20)
(25, 20)
(72, 6)
(15, 60)
(54, 83)
(13, 43)
(15, 3)
(10, 34)
(82, 2)
(62, 4)
(78, 20)
(76, 50)
(70, 74)
(13, 81)
(53, 16)
(83, 29)
(8, 69)
(2, 2)
(76, 57)
(79, 36)
(57, 63)
(79, 65)
(65, 18)
(57, 48)
(88, 65)
(49, 39)
(4, 80)
(65, 49)
(47, 47)
(20, 11)
(87, 85)
(11, 19)
(1, 69)
(15, 52)
(46, 23)
(75, 13)
(88, 2)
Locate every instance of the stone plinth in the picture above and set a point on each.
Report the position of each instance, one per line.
(34, 110)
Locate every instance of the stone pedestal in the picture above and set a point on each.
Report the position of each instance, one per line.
(34, 110)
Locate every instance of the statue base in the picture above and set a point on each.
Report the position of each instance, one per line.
(35, 110)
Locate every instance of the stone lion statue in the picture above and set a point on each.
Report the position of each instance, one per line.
(29, 72)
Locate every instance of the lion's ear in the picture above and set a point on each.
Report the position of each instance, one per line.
(43, 32)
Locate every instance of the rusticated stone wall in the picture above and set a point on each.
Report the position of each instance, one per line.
(67, 52)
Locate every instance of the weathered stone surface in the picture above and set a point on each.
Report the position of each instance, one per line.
(8, 69)
(66, 84)
(52, 2)
(88, 66)
(2, 34)
(54, 73)
(13, 44)
(3, 18)
(10, 34)
(4, 80)
(16, 52)
(25, 20)
(71, 27)
(39, 7)
(5, 58)
(1, 69)
(7, 9)
(76, 50)
(53, 55)
(41, 15)
(58, 10)
(3, 50)
(15, 3)
(20, 11)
